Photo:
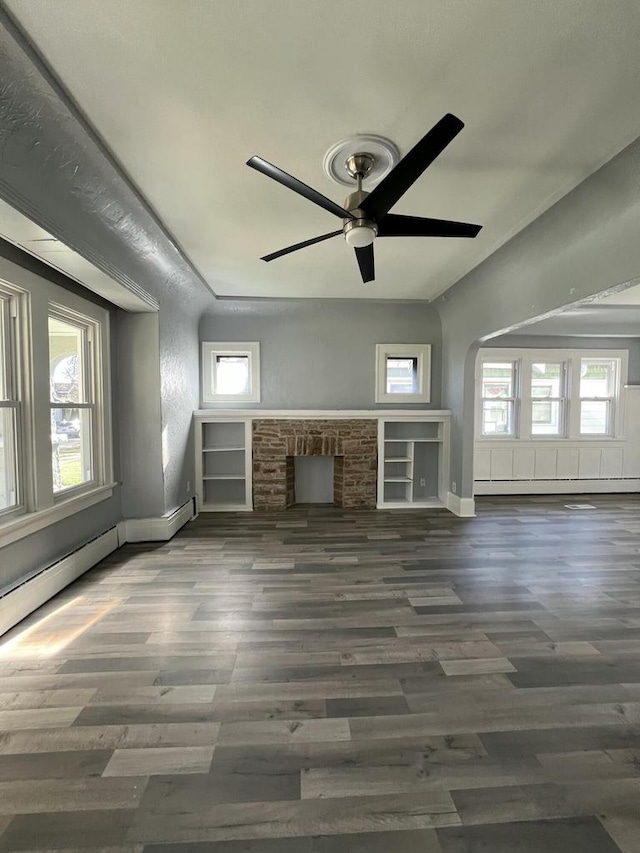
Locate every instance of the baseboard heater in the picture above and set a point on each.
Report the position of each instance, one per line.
(22, 600)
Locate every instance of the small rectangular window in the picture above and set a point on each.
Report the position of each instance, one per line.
(9, 410)
(597, 395)
(499, 395)
(230, 372)
(402, 375)
(72, 404)
(548, 398)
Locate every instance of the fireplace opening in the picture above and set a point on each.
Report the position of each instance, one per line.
(314, 478)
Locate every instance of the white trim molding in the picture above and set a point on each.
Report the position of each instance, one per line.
(159, 529)
(421, 353)
(556, 487)
(33, 593)
(211, 351)
(325, 414)
(462, 507)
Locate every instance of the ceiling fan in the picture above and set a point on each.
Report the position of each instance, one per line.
(365, 215)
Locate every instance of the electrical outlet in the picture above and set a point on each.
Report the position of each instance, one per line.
(188, 486)
(423, 482)
(453, 488)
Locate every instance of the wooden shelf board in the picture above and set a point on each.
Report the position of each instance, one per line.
(398, 480)
(221, 449)
(398, 459)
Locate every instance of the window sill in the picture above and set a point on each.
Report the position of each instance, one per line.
(24, 525)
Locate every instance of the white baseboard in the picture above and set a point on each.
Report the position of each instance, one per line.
(555, 487)
(463, 507)
(155, 529)
(20, 602)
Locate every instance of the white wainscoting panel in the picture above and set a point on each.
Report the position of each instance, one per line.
(546, 463)
(524, 464)
(568, 462)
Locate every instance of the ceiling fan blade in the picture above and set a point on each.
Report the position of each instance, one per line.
(408, 170)
(297, 246)
(297, 186)
(365, 262)
(393, 225)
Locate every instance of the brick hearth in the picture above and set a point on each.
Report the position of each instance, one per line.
(353, 443)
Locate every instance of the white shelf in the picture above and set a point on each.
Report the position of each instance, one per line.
(398, 459)
(221, 449)
(398, 480)
(410, 440)
(223, 477)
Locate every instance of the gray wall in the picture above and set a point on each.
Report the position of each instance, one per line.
(576, 342)
(585, 244)
(321, 354)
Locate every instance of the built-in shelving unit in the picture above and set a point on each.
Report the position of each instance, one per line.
(413, 456)
(223, 459)
(411, 461)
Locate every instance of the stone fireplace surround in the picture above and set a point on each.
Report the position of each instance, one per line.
(353, 442)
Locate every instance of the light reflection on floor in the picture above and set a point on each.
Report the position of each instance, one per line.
(46, 638)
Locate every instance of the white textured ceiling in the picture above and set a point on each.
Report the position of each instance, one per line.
(184, 92)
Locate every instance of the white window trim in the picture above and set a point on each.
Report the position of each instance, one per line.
(210, 350)
(516, 399)
(571, 425)
(40, 507)
(423, 354)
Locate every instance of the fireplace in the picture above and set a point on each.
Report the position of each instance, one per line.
(352, 442)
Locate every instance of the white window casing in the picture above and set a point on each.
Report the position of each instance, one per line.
(230, 372)
(568, 401)
(418, 381)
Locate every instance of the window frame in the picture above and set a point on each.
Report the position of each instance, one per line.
(421, 352)
(572, 359)
(210, 351)
(609, 399)
(12, 306)
(39, 506)
(515, 399)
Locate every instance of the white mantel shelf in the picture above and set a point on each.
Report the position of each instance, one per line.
(325, 414)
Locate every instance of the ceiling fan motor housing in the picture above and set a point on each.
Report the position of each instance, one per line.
(360, 231)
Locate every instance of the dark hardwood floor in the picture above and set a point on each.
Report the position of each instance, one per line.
(320, 681)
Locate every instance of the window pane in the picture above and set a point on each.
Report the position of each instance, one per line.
(594, 417)
(4, 351)
(546, 417)
(547, 379)
(66, 362)
(8, 495)
(232, 374)
(402, 375)
(498, 379)
(71, 448)
(497, 417)
(597, 377)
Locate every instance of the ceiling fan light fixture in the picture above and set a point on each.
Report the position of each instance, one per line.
(360, 233)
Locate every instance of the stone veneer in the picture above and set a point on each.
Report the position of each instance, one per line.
(353, 443)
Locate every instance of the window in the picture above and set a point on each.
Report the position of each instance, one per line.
(71, 381)
(55, 419)
(403, 373)
(230, 372)
(534, 395)
(499, 381)
(597, 395)
(9, 405)
(548, 398)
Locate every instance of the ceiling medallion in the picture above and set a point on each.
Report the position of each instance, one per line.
(384, 152)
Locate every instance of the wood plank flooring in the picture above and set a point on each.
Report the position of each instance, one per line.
(323, 680)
